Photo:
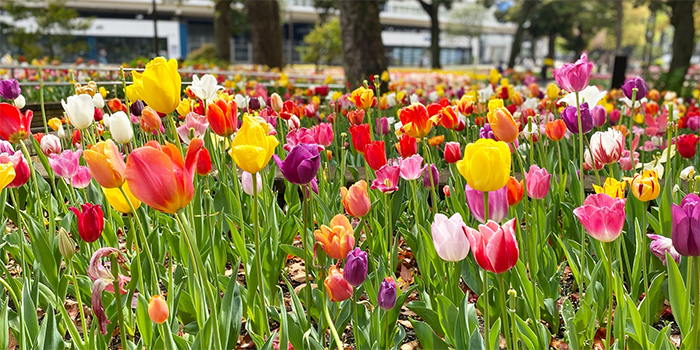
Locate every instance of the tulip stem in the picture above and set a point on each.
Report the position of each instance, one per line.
(426, 149)
(631, 122)
(144, 242)
(506, 321)
(644, 264)
(584, 247)
(331, 325)
(258, 261)
(696, 305)
(561, 171)
(487, 320)
(593, 163)
(356, 324)
(25, 152)
(608, 266)
(118, 300)
(20, 240)
(305, 246)
(162, 336)
(77, 296)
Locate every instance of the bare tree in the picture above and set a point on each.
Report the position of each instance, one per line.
(361, 32)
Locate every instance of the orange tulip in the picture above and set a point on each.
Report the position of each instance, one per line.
(416, 120)
(447, 118)
(336, 286)
(515, 191)
(363, 97)
(106, 164)
(356, 199)
(336, 240)
(150, 120)
(158, 309)
(555, 130)
(159, 177)
(504, 127)
(436, 140)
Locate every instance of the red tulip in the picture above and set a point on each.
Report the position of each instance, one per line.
(222, 117)
(360, 137)
(375, 154)
(495, 248)
(453, 152)
(90, 221)
(687, 145)
(15, 126)
(203, 163)
(407, 146)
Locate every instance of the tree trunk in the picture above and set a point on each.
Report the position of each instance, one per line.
(683, 42)
(618, 27)
(266, 32)
(525, 11)
(648, 44)
(551, 45)
(361, 33)
(435, 38)
(222, 29)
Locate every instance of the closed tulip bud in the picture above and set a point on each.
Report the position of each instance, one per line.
(375, 154)
(453, 152)
(686, 220)
(293, 123)
(446, 190)
(115, 104)
(355, 271)
(555, 130)
(356, 199)
(301, 164)
(337, 239)
(55, 123)
(356, 117)
(570, 117)
(433, 175)
(498, 203)
(252, 147)
(645, 186)
(602, 216)
(276, 102)
(574, 77)
(607, 146)
(20, 101)
(15, 126)
(553, 91)
(660, 245)
(137, 108)
(203, 163)
(494, 246)
(99, 116)
(615, 116)
(537, 181)
(158, 309)
(515, 192)
(687, 145)
(635, 83)
(323, 134)
(98, 101)
(50, 144)
(336, 286)
(120, 127)
(90, 221)
(450, 237)
(150, 120)
(247, 183)
(383, 126)
(599, 116)
(504, 127)
(486, 151)
(9, 89)
(106, 164)
(222, 116)
(386, 297)
(66, 246)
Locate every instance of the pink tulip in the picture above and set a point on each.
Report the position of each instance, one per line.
(66, 164)
(495, 248)
(660, 245)
(299, 136)
(387, 179)
(411, 168)
(192, 121)
(450, 237)
(498, 203)
(573, 77)
(537, 181)
(602, 216)
(82, 178)
(19, 163)
(607, 146)
(323, 133)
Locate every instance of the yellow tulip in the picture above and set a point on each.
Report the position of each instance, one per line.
(553, 91)
(54, 123)
(7, 174)
(494, 76)
(505, 128)
(385, 76)
(103, 92)
(612, 188)
(118, 202)
(160, 85)
(252, 147)
(362, 97)
(495, 104)
(184, 107)
(645, 186)
(486, 165)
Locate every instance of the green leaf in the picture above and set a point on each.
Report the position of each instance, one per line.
(678, 296)
(568, 314)
(4, 325)
(49, 338)
(427, 314)
(428, 339)
(143, 321)
(447, 314)
(527, 336)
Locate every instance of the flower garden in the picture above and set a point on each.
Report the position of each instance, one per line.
(421, 210)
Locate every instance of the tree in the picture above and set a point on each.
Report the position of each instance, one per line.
(322, 44)
(551, 20)
(361, 33)
(526, 9)
(432, 8)
(222, 29)
(266, 32)
(56, 26)
(683, 42)
(325, 7)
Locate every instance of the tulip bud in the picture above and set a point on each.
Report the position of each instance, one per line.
(599, 115)
(66, 246)
(99, 115)
(336, 286)
(453, 152)
(80, 110)
(98, 101)
(276, 102)
(247, 183)
(446, 190)
(150, 120)
(136, 108)
(204, 163)
(120, 127)
(9, 89)
(355, 270)
(20, 101)
(356, 199)
(90, 221)
(158, 309)
(50, 144)
(435, 176)
(386, 297)
(450, 237)
(254, 104)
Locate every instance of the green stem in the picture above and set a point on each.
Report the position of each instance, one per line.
(506, 322)
(258, 261)
(595, 168)
(487, 319)
(118, 300)
(629, 129)
(77, 296)
(41, 100)
(355, 319)
(583, 194)
(696, 306)
(331, 325)
(305, 246)
(608, 265)
(144, 242)
(643, 237)
(162, 336)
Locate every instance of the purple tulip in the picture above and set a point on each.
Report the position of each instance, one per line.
(136, 108)
(574, 77)
(660, 245)
(383, 126)
(103, 280)
(301, 164)
(9, 89)
(426, 176)
(386, 297)
(637, 83)
(599, 116)
(685, 233)
(486, 132)
(355, 271)
(66, 164)
(570, 116)
(498, 203)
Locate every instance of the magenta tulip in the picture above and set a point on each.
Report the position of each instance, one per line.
(602, 216)
(537, 181)
(574, 77)
(498, 203)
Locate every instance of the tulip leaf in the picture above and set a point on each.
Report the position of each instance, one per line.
(572, 333)
(49, 337)
(528, 337)
(428, 339)
(447, 314)
(476, 342)
(4, 324)
(678, 296)
(427, 314)
(238, 241)
(144, 322)
(231, 313)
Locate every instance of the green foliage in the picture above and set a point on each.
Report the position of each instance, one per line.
(322, 44)
(55, 27)
(206, 54)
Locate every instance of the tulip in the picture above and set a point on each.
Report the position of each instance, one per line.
(336, 286)
(446, 190)
(204, 163)
(660, 245)
(570, 117)
(375, 154)
(635, 83)
(387, 179)
(645, 186)
(15, 126)
(20, 101)
(362, 97)
(193, 122)
(7, 174)
(355, 271)
(573, 77)
(555, 130)
(137, 108)
(160, 178)
(486, 151)
(323, 134)
(106, 164)
(427, 176)
(276, 102)
(687, 145)
(66, 164)
(90, 221)
(598, 115)
(50, 144)
(252, 147)
(115, 105)
(206, 88)
(55, 123)
(602, 216)
(386, 297)
(495, 248)
(383, 126)
(98, 101)
(537, 181)
(407, 146)
(411, 168)
(356, 117)
(360, 137)
(553, 91)
(9, 89)
(159, 86)
(120, 127)
(498, 203)
(150, 120)
(158, 309)
(612, 188)
(20, 168)
(415, 120)
(607, 146)
(301, 164)
(685, 232)
(80, 110)
(103, 280)
(222, 116)
(336, 240)
(356, 199)
(66, 246)
(515, 193)
(447, 118)
(615, 116)
(504, 127)
(247, 183)
(82, 178)
(450, 237)
(453, 152)
(116, 199)
(436, 141)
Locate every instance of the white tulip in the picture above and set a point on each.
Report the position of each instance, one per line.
(414, 98)
(205, 88)
(61, 132)
(391, 99)
(20, 101)
(241, 101)
(98, 101)
(80, 110)
(591, 94)
(486, 93)
(120, 127)
(262, 103)
(50, 144)
(688, 173)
